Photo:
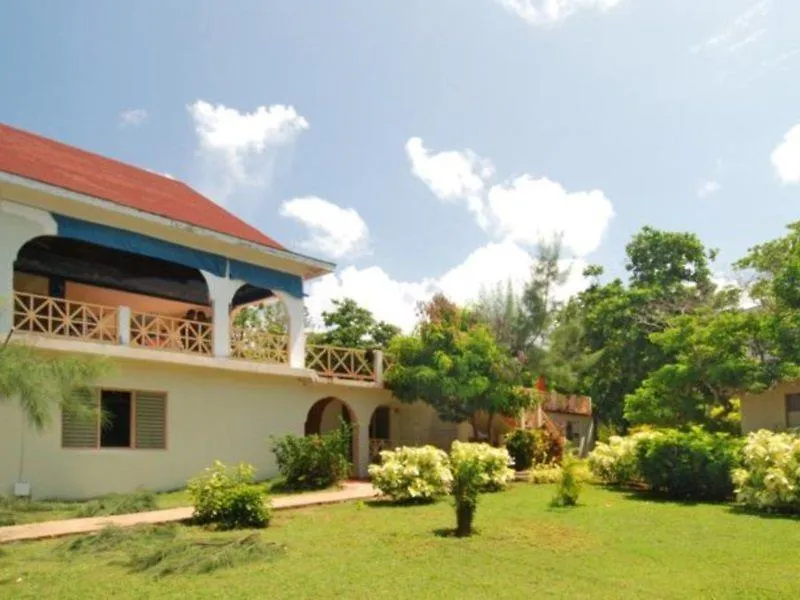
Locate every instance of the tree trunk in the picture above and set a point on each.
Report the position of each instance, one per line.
(464, 515)
(489, 430)
(474, 424)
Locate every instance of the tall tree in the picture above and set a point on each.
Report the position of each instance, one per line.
(454, 364)
(669, 274)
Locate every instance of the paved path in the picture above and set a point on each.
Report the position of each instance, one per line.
(353, 490)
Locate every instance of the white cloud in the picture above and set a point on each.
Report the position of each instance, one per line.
(396, 301)
(786, 157)
(723, 281)
(528, 211)
(708, 188)
(743, 30)
(334, 231)
(238, 148)
(544, 12)
(132, 117)
(452, 175)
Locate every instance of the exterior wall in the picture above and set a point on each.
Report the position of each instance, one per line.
(31, 284)
(582, 427)
(211, 414)
(417, 424)
(768, 409)
(80, 292)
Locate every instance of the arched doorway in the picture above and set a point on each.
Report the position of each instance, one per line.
(325, 415)
(379, 432)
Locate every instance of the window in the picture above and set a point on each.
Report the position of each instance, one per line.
(792, 410)
(136, 420)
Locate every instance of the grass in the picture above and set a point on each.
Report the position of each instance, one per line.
(613, 545)
(15, 511)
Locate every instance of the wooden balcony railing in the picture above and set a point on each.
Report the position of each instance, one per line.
(65, 318)
(169, 333)
(259, 346)
(341, 363)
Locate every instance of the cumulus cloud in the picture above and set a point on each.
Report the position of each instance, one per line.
(334, 231)
(786, 157)
(238, 149)
(529, 210)
(396, 301)
(132, 117)
(548, 12)
(526, 210)
(452, 176)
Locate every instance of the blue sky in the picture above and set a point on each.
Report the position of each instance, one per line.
(427, 144)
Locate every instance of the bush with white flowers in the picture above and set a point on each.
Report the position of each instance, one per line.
(493, 463)
(616, 462)
(412, 474)
(769, 478)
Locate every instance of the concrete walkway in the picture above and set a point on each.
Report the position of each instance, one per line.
(352, 490)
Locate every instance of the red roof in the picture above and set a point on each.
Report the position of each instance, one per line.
(47, 161)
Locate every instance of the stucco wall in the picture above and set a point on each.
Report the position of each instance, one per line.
(767, 410)
(211, 414)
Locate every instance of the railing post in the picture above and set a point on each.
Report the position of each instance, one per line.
(377, 367)
(124, 325)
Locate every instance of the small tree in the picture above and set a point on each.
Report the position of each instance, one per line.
(455, 365)
(352, 326)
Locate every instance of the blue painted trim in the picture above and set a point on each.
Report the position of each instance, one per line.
(137, 243)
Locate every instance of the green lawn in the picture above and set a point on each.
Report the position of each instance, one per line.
(612, 546)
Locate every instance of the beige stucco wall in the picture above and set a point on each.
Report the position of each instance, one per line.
(211, 414)
(767, 410)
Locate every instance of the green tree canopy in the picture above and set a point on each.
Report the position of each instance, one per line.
(352, 326)
(454, 364)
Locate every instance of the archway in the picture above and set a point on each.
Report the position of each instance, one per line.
(325, 415)
(379, 432)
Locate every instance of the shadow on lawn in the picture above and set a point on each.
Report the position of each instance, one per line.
(387, 503)
(750, 512)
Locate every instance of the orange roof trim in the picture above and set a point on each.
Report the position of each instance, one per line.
(48, 161)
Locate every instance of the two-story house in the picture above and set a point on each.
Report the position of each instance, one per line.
(102, 258)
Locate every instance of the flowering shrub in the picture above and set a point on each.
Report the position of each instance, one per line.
(568, 487)
(552, 474)
(406, 474)
(492, 462)
(769, 478)
(615, 463)
(229, 498)
(314, 461)
(532, 447)
(691, 464)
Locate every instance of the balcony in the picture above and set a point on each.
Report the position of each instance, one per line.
(575, 405)
(121, 325)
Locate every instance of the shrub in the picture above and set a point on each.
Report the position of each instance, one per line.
(314, 461)
(412, 474)
(691, 464)
(229, 498)
(531, 447)
(495, 473)
(552, 474)
(469, 479)
(569, 488)
(616, 462)
(769, 478)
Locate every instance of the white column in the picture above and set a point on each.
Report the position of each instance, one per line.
(295, 310)
(363, 449)
(124, 325)
(377, 366)
(221, 291)
(18, 225)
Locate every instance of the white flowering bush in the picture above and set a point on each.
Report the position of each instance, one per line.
(769, 478)
(616, 462)
(412, 474)
(493, 463)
